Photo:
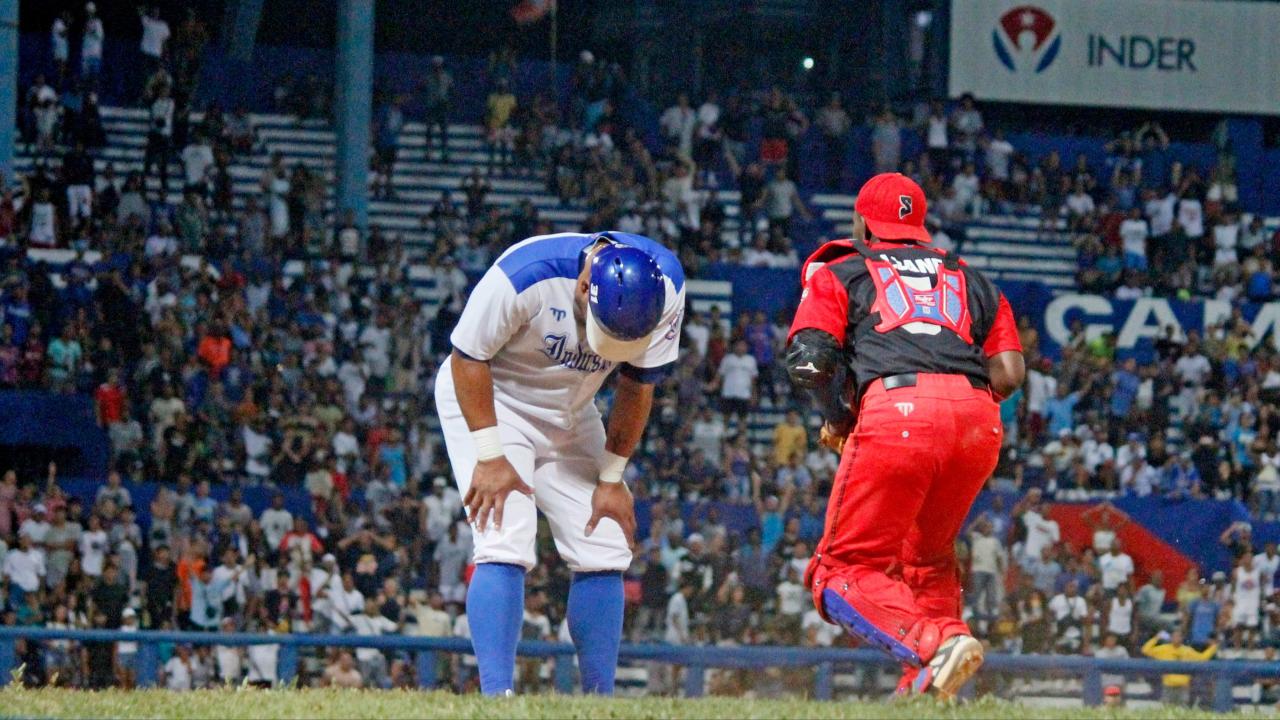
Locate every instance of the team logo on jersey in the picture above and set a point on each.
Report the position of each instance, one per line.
(1026, 38)
(671, 329)
(904, 206)
(556, 346)
(558, 314)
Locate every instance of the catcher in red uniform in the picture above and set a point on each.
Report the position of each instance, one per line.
(907, 351)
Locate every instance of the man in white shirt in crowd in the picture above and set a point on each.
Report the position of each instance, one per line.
(1042, 531)
(677, 123)
(177, 671)
(1041, 387)
(345, 603)
(737, 380)
(276, 521)
(36, 527)
(1134, 232)
(155, 34)
(988, 563)
(91, 44)
(1191, 217)
(1193, 367)
(442, 505)
(1116, 568)
(24, 569)
(698, 332)
(998, 150)
(1159, 209)
(1069, 612)
(1095, 449)
(816, 631)
(197, 159)
(677, 620)
(373, 664)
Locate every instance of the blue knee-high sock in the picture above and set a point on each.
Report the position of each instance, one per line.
(595, 623)
(495, 611)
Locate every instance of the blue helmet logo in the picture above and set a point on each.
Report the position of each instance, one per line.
(627, 292)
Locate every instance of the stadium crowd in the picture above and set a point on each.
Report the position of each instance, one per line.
(232, 373)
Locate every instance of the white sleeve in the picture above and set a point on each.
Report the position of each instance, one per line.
(664, 347)
(493, 314)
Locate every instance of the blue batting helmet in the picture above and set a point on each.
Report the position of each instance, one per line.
(625, 302)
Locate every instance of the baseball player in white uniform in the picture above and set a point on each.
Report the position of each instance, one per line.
(542, 330)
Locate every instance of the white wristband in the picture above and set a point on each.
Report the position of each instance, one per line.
(488, 443)
(611, 467)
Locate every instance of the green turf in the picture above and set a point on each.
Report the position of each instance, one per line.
(391, 705)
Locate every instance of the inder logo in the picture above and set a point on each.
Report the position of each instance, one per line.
(1026, 38)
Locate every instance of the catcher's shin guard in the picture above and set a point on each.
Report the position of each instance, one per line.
(904, 649)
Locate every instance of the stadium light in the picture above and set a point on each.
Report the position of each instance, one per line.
(807, 63)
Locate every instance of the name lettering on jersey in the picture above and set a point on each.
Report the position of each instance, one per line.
(556, 347)
(919, 266)
(905, 408)
(558, 313)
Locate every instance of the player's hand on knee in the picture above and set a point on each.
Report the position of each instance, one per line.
(613, 500)
(491, 482)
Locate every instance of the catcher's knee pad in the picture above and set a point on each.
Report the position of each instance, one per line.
(911, 646)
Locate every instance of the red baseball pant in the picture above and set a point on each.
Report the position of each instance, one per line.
(910, 470)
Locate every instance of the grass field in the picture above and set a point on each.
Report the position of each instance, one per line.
(392, 705)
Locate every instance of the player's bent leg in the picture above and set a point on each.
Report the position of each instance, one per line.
(595, 615)
(882, 481)
(563, 489)
(495, 609)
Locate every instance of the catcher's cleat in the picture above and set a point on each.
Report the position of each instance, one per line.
(952, 665)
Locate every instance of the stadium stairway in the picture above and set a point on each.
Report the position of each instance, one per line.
(418, 184)
(1006, 247)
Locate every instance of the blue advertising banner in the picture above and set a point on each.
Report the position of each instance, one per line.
(1135, 323)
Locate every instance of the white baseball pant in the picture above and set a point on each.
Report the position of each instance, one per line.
(560, 464)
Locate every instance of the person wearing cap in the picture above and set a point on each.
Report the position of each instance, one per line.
(908, 352)
(541, 333)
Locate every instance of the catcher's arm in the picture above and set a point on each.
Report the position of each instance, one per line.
(814, 364)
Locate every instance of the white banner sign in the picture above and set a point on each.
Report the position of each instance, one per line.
(1167, 54)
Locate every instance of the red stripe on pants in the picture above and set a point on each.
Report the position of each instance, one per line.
(913, 465)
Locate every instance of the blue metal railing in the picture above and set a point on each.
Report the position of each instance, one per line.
(1222, 675)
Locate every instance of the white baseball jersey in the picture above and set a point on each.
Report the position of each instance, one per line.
(520, 319)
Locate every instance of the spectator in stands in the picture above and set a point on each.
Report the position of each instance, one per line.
(91, 44)
(677, 124)
(736, 379)
(988, 566)
(159, 150)
(1176, 688)
(390, 125)
(499, 132)
(437, 95)
(782, 201)
(155, 35)
(60, 45)
(342, 672)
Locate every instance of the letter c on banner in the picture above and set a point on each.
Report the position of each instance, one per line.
(1055, 316)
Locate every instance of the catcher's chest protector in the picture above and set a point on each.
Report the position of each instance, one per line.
(899, 304)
